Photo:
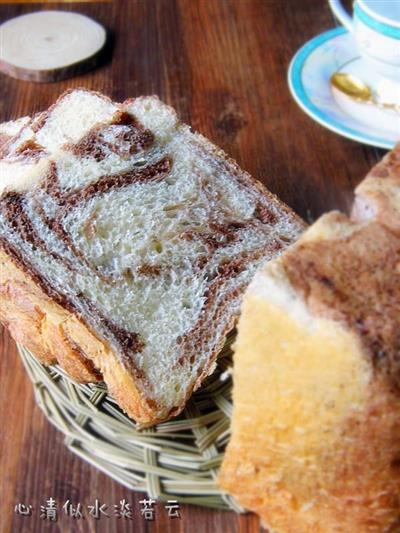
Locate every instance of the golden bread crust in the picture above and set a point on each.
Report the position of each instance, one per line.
(354, 279)
(357, 485)
(55, 334)
(315, 443)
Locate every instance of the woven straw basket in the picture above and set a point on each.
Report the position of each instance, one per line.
(178, 459)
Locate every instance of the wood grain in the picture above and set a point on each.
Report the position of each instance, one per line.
(50, 1)
(222, 64)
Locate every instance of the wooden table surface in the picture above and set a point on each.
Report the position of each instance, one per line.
(222, 64)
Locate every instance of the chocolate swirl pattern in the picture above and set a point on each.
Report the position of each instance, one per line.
(141, 231)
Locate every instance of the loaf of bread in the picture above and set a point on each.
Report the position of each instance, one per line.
(126, 244)
(315, 445)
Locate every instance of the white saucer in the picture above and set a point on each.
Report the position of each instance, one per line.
(309, 81)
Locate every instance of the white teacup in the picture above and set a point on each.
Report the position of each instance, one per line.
(376, 28)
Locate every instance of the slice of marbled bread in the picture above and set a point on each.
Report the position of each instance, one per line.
(126, 244)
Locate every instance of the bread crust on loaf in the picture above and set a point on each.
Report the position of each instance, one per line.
(378, 195)
(329, 268)
(359, 491)
(55, 334)
(342, 476)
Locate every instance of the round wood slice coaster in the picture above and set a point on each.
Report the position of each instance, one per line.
(50, 45)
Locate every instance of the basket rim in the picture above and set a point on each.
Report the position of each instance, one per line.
(177, 459)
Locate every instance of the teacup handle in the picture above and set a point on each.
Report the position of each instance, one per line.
(341, 14)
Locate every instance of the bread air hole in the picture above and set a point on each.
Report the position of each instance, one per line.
(186, 304)
(158, 247)
(139, 163)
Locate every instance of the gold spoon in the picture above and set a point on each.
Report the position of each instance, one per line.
(358, 90)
